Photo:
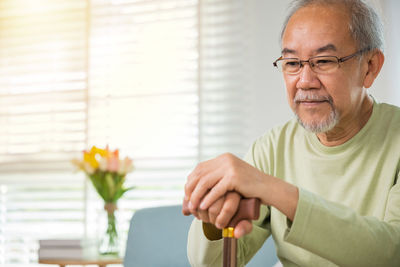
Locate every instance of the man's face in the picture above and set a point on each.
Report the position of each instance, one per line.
(323, 101)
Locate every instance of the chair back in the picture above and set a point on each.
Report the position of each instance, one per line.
(266, 256)
(158, 237)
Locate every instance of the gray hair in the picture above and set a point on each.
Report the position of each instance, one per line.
(365, 24)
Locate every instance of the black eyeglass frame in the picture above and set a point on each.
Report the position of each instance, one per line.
(339, 60)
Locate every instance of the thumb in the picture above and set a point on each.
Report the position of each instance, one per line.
(244, 227)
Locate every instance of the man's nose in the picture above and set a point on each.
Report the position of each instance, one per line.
(308, 79)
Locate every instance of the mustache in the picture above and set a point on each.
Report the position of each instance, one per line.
(311, 96)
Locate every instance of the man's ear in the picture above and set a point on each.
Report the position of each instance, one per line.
(375, 63)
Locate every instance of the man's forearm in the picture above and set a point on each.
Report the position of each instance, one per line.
(281, 195)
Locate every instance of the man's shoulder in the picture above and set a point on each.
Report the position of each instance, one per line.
(388, 113)
(386, 107)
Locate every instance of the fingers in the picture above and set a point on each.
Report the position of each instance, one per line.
(224, 206)
(192, 180)
(212, 179)
(217, 190)
(220, 212)
(214, 188)
(199, 183)
(185, 208)
(215, 210)
(204, 187)
(228, 209)
(202, 169)
(203, 216)
(209, 215)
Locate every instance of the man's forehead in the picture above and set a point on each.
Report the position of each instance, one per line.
(327, 47)
(317, 28)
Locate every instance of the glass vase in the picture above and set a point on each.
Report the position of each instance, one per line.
(109, 243)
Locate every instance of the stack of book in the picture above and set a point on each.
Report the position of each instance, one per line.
(67, 249)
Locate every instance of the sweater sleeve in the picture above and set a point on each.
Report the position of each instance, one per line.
(200, 250)
(337, 233)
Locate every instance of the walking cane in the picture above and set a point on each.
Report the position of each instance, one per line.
(249, 209)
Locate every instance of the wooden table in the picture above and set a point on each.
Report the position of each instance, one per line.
(100, 262)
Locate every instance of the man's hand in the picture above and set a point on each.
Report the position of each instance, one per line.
(218, 185)
(220, 214)
(212, 179)
(221, 211)
(209, 187)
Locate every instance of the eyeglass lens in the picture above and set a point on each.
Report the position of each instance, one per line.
(318, 64)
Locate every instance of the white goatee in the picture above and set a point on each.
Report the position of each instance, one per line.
(317, 126)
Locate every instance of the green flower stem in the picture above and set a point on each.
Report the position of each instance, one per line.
(109, 185)
(110, 242)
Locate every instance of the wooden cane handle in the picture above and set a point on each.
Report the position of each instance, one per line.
(249, 209)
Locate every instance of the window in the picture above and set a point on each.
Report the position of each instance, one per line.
(43, 89)
(162, 80)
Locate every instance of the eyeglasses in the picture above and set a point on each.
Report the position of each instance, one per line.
(319, 64)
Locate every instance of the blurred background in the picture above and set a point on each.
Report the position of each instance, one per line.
(167, 82)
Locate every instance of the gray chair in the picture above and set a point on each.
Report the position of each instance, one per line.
(158, 236)
(266, 256)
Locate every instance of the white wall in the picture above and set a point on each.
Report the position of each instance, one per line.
(387, 86)
(269, 97)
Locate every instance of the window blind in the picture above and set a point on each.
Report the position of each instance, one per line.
(43, 106)
(165, 81)
(166, 84)
(143, 94)
(42, 83)
(224, 77)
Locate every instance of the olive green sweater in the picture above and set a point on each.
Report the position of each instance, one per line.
(348, 212)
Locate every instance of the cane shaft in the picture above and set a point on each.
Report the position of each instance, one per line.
(229, 253)
(249, 209)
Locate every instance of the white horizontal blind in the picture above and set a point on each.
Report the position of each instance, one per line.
(42, 83)
(165, 81)
(143, 95)
(224, 76)
(43, 120)
(35, 206)
(143, 86)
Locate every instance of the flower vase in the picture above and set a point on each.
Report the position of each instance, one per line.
(109, 244)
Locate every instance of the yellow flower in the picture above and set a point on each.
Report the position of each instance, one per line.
(106, 172)
(102, 152)
(90, 157)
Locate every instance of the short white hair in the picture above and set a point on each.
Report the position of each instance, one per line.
(365, 24)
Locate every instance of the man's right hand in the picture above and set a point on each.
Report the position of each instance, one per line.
(220, 213)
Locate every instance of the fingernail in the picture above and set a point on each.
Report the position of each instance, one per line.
(202, 205)
(186, 198)
(190, 205)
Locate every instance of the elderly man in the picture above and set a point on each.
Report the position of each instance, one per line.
(328, 181)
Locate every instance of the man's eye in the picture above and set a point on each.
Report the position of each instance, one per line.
(291, 64)
(324, 61)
